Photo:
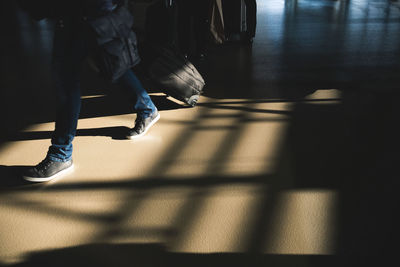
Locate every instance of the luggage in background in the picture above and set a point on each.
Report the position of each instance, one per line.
(234, 19)
(155, 19)
(139, 10)
(217, 22)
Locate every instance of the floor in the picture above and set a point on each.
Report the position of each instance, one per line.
(289, 158)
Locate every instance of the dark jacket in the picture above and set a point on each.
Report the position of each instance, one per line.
(114, 42)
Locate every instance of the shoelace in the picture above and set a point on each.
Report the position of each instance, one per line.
(139, 125)
(44, 164)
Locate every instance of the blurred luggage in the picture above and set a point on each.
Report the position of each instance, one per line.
(155, 20)
(217, 22)
(235, 21)
(113, 44)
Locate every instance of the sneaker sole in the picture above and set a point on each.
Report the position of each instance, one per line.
(46, 179)
(145, 131)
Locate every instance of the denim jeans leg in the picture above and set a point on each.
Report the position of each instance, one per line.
(68, 108)
(69, 52)
(144, 106)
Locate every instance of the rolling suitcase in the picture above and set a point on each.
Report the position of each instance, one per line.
(163, 68)
(174, 75)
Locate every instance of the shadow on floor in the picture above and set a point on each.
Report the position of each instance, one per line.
(10, 177)
(349, 148)
(155, 255)
(117, 133)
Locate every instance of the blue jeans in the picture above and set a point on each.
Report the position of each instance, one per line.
(69, 51)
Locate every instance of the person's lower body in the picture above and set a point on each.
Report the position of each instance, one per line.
(70, 50)
(59, 156)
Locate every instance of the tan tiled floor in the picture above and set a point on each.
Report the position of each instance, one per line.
(139, 191)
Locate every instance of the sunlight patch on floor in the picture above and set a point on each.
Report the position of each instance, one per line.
(257, 151)
(303, 223)
(220, 223)
(325, 97)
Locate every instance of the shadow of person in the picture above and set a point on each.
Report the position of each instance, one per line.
(115, 132)
(162, 102)
(99, 255)
(156, 255)
(114, 104)
(11, 177)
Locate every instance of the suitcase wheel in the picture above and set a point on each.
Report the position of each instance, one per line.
(192, 101)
